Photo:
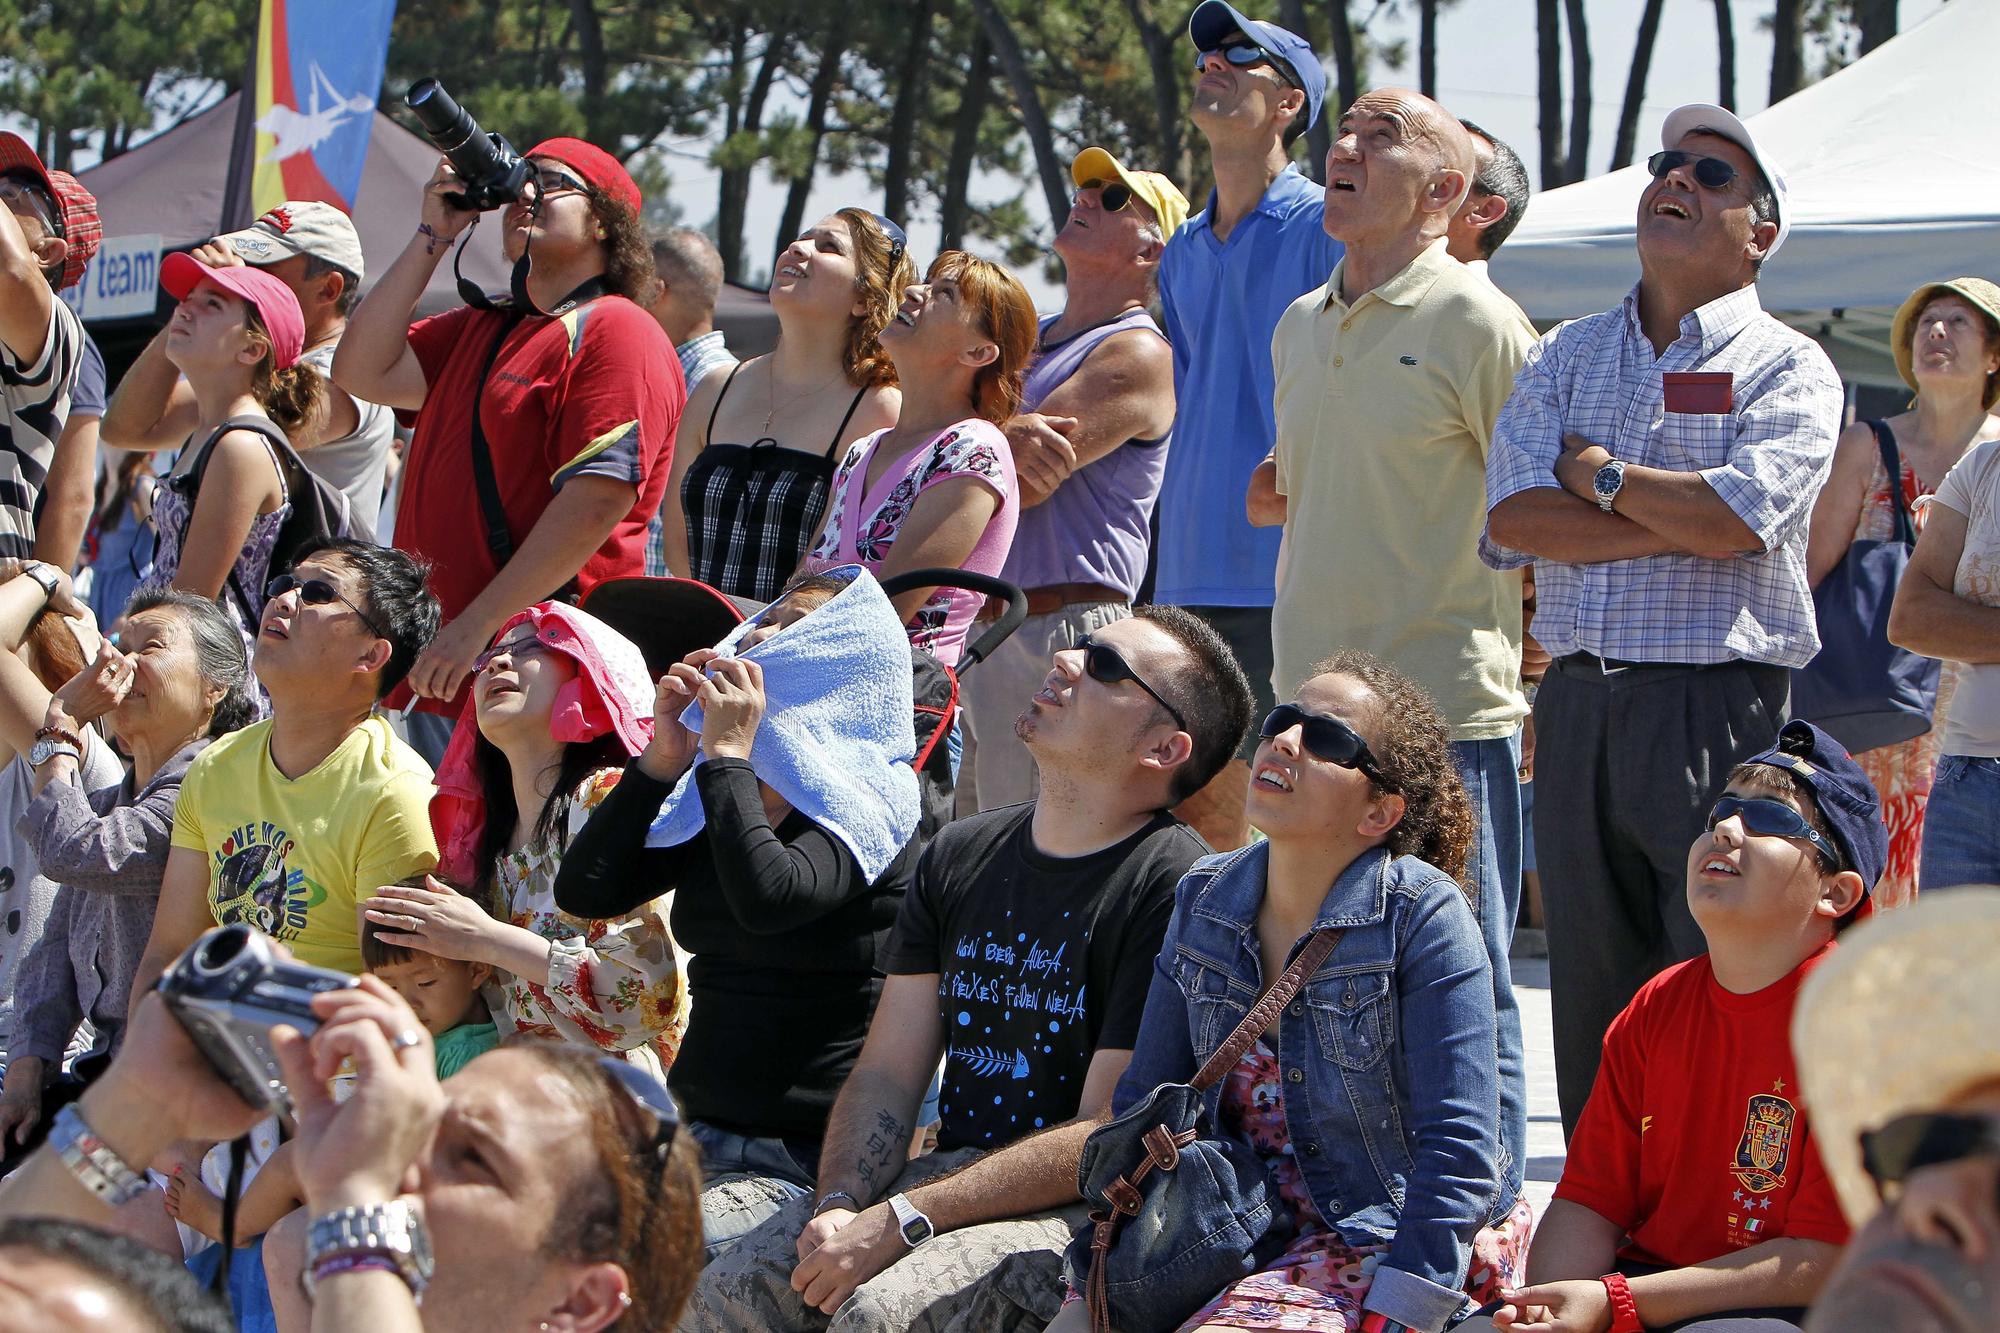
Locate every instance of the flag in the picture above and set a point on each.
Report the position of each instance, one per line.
(318, 73)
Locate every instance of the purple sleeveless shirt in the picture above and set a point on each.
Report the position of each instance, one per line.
(1094, 528)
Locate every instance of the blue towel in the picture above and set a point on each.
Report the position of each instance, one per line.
(837, 735)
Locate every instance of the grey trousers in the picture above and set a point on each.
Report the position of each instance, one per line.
(1627, 763)
(998, 1277)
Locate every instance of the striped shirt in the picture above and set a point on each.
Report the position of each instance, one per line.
(700, 355)
(1767, 458)
(34, 404)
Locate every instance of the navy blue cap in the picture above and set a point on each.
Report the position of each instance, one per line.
(1215, 22)
(1847, 800)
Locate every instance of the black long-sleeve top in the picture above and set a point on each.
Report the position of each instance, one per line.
(784, 934)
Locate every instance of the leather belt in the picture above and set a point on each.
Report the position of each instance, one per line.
(1054, 597)
(1612, 666)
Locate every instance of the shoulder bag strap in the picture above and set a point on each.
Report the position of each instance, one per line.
(499, 540)
(1259, 1018)
(1892, 465)
(280, 447)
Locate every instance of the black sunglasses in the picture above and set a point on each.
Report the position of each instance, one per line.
(1329, 739)
(317, 592)
(1711, 173)
(1103, 664)
(1112, 196)
(650, 1096)
(1773, 819)
(1243, 54)
(899, 240)
(1927, 1138)
(521, 645)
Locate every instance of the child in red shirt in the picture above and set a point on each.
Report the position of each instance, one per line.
(1693, 1183)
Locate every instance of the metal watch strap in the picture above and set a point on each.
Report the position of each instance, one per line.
(92, 1161)
(390, 1230)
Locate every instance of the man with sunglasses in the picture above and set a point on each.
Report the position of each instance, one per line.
(1658, 464)
(1022, 956)
(48, 231)
(287, 824)
(1090, 445)
(1910, 1116)
(1227, 275)
(1694, 1195)
(544, 425)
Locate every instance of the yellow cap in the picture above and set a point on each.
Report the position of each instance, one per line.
(1169, 205)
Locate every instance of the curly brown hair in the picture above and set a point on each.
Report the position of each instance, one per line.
(881, 271)
(1412, 747)
(294, 397)
(628, 251)
(1006, 315)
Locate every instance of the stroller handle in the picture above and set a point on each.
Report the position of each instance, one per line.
(994, 635)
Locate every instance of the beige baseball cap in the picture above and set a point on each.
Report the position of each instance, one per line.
(304, 227)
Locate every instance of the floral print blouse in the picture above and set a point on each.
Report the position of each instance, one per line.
(617, 984)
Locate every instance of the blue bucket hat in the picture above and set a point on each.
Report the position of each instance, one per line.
(1847, 800)
(1215, 22)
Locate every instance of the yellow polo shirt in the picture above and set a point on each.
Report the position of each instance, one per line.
(1385, 408)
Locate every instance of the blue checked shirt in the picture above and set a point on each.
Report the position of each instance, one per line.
(699, 356)
(1767, 458)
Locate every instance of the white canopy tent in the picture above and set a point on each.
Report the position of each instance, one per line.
(1895, 180)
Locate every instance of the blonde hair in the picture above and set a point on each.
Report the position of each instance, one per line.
(1006, 315)
(881, 272)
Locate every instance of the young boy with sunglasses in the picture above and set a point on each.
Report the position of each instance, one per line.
(1694, 1184)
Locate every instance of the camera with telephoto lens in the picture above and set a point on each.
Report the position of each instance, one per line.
(492, 170)
(228, 991)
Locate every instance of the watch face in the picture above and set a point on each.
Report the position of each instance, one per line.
(916, 1231)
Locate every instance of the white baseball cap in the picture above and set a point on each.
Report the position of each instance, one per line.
(304, 227)
(1712, 119)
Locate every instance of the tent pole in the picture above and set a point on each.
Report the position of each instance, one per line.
(236, 188)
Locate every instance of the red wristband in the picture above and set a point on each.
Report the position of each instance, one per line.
(1624, 1310)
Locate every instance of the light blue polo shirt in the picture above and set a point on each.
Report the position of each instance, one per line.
(1222, 301)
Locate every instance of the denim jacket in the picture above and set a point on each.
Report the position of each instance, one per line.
(1391, 1084)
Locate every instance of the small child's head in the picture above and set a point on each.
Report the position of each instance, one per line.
(444, 992)
(801, 597)
(1795, 844)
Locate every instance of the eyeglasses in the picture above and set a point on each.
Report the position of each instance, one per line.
(1711, 173)
(1773, 819)
(317, 592)
(1103, 664)
(1112, 196)
(899, 240)
(521, 645)
(1327, 739)
(1244, 54)
(13, 189)
(1909, 1143)
(651, 1097)
(554, 180)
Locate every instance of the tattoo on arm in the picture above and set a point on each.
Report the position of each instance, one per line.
(882, 1154)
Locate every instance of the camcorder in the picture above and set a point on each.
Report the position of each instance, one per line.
(492, 170)
(228, 991)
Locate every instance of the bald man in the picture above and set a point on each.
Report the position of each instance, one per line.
(1389, 378)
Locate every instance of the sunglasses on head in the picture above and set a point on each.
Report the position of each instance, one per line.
(1773, 819)
(1328, 739)
(1711, 173)
(651, 1097)
(317, 592)
(1909, 1143)
(1112, 196)
(899, 240)
(1103, 664)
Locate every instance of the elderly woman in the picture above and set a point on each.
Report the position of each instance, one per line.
(754, 458)
(1371, 1102)
(100, 832)
(1946, 340)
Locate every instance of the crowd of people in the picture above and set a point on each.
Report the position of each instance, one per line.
(575, 686)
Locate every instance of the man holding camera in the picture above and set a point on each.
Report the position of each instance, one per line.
(544, 430)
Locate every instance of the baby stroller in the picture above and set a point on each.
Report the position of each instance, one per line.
(670, 618)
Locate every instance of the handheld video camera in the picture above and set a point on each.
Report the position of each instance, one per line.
(492, 169)
(228, 991)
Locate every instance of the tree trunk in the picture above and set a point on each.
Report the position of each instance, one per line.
(1034, 120)
(825, 79)
(1548, 90)
(1319, 137)
(1725, 56)
(903, 119)
(965, 143)
(1788, 51)
(596, 71)
(1635, 85)
(1346, 61)
(1877, 21)
(1579, 89)
(1170, 78)
(1427, 47)
(734, 202)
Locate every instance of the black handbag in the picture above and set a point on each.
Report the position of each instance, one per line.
(1178, 1214)
(1862, 690)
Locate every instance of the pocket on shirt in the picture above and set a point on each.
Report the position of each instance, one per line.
(1694, 440)
(1354, 1016)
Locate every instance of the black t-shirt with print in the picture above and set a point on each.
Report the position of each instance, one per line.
(1041, 961)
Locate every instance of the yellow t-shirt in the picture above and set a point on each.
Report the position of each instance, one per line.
(1384, 410)
(295, 858)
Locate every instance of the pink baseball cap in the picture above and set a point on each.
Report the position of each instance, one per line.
(272, 299)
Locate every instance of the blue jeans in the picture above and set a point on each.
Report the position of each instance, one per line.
(1961, 845)
(745, 1181)
(1491, 773)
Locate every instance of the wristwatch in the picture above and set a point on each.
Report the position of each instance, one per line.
(916, 1228)
(850, 1203)
(44, 574)
(48, 747)
(1624, 1310)
(392, 1231)
(1606, 482)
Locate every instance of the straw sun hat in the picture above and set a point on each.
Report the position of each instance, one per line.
(1983, 296)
